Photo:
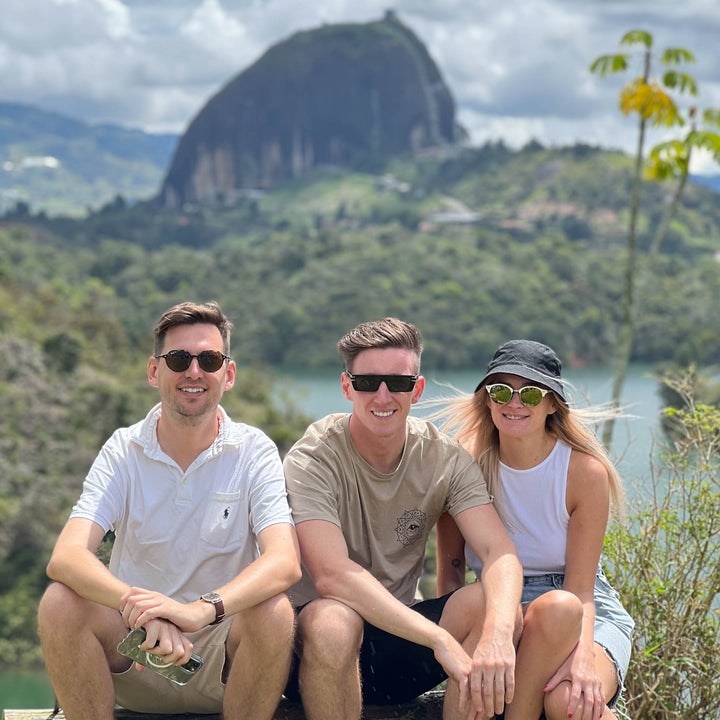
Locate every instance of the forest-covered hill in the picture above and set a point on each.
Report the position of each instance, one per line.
(64, 166)
(474, 248)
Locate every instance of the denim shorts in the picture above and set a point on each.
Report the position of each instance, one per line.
(613, 626)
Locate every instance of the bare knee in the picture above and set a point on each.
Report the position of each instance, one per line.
(330, 631)
(464, 612)
(64, 615)
(60, 607)
(275, 615)
(554, 615)
(270, 623)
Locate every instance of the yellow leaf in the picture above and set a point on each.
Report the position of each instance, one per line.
(651, 102)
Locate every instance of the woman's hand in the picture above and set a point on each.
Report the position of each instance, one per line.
(587, 700)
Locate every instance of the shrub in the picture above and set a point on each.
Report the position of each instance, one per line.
(666, 564)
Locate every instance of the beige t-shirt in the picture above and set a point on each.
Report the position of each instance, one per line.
(385, 518)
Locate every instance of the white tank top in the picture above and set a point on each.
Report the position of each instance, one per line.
(535, 501)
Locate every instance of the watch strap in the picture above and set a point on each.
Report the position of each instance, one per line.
(216, 601)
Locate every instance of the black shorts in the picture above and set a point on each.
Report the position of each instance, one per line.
(392, 670)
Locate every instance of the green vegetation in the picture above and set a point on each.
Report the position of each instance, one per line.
(474, 249)
(666, 563)
(532, 248)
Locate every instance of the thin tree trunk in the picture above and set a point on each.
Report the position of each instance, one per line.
(627, 329)
(668, 215)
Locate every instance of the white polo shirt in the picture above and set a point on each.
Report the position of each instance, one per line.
(184, 533)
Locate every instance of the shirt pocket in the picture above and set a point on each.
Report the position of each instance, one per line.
(223, 525)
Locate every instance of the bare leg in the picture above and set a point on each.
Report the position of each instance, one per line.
(330, 636)
(551, 630)
(259, 647)
(79, 640)
(463, 618)
(556, 702)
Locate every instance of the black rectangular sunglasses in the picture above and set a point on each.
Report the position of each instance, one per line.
(371, 383)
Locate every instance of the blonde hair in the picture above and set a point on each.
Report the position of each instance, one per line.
(468, 418)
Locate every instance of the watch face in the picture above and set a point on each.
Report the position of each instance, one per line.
(212, 597)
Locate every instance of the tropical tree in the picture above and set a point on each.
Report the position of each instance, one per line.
(671, 161)
(655, 106)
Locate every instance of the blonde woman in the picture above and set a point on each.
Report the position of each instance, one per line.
(553, 486)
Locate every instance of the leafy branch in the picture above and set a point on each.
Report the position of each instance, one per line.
(653, 102)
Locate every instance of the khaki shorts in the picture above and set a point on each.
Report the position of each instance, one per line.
(146, 691)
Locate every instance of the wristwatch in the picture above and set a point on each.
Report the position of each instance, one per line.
(214, 599)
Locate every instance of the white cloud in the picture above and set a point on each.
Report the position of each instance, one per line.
(518, 69)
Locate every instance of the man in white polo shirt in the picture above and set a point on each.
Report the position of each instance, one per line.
(204, 549)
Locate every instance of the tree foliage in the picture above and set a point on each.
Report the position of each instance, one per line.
(652, 100)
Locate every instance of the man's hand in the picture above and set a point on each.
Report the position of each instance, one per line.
(167, 642)
(457, 664)
(139, 606)
(492, 679)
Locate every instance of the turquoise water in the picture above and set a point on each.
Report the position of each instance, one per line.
(25, 690)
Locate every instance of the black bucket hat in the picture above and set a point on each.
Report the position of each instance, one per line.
(530, 360)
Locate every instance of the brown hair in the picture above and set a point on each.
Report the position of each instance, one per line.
(189, 313)
(380, 334)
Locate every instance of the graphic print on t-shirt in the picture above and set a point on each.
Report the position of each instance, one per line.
(411, 527)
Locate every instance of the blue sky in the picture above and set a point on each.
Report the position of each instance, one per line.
(518, 69)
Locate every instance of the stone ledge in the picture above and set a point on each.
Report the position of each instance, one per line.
(426, 707)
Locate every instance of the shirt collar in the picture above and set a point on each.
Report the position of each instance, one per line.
(146, 434)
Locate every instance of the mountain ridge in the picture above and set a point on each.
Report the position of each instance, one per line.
(64, 165)
(32, 133)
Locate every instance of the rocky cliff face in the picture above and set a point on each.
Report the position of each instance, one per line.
(343, 95)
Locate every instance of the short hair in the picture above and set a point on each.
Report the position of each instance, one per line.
(380, 334)
(189, 313)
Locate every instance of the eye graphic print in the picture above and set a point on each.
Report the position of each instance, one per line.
(411, 527)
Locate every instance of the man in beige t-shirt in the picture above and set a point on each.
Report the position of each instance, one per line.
(366, 489)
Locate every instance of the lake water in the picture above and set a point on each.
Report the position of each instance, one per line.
(317, 393)
(25, 690)
(635, 438)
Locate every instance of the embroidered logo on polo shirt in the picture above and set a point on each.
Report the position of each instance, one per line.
(411, 527)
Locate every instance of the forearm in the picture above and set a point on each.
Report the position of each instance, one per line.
(358, 589)
(587, 634)
(502, 583)
(273, 572)
(450, 555)
(83, 572)
(450, 579)
(266, 577)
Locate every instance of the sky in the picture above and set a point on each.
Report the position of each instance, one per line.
(518, 69)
